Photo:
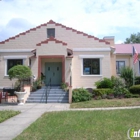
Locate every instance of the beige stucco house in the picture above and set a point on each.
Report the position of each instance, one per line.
(61, 53)
(124, 57)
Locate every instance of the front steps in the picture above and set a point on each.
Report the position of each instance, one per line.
(54, 95)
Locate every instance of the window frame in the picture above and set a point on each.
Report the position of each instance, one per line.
(15, 62)
(89, 67)
(49, 30)
(117, 65)
(100, 57)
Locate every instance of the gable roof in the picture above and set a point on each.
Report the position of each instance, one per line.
(126, 48)
(56, 24)
(51, 39)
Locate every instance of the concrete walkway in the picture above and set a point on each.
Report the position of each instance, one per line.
(31, 112)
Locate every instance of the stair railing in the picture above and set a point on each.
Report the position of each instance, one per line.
(48, 89)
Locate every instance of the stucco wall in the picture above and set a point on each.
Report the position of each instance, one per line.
(73, 40)
(80, 80)
(4, 79)
(129, 62)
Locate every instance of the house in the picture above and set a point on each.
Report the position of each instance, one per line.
(61, 53)
(65, 55)
(124, 57)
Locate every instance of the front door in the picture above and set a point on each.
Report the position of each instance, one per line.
(53, 73)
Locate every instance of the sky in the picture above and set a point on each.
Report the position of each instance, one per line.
(118, 18)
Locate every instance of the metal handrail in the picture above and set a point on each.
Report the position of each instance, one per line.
(47, 88)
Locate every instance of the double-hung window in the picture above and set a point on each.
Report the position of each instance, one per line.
(119, 65)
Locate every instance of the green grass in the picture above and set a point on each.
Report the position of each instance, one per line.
(83, 125)
(107, 103)
(6, 114)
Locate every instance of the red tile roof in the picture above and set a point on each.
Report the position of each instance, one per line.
(51, 39)
(56, 24)
(126, 48)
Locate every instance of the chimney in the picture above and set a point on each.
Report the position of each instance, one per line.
(109, 39)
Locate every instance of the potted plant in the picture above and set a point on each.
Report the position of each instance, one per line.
(20, 72)
(64, 86)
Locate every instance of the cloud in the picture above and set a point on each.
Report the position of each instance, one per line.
(99, 18)
(13, 27)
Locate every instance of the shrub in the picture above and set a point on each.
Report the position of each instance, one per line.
(128, 95)
(81, 94)
(127, 74)
(104, 83)
(135, 89)
(64, 86)
(119, 86)
(135, 95)
(102, 92)
(20, 72)
(137, 80)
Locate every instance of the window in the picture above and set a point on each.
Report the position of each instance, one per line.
(13, 62)
(50, 32)
(119, 65)
(91, 66)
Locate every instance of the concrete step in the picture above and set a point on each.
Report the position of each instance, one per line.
(57, 101)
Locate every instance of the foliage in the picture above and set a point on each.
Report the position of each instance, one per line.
(129, 95)
(6, 114)
(135, 89)
(137, 80)
(127, 74)
(135, 96)
(102, 91)
(81, 94)
(64, 86)
(37, 84)
(20, 72)
(134, 38)
(119, 86)
(104, 83)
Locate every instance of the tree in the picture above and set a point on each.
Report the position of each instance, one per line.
(20, 72)
(134, 38)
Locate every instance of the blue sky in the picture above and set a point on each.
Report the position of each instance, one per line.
(100, 18)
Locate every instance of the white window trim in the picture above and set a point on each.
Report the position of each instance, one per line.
(12, 57)
(91, 56)
(92, 49)
(15, 57)
(16, 50)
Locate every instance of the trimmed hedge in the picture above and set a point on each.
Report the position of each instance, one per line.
(135, 89)
(104, 83)
(137, 80)
(102, 91)
(81, 94)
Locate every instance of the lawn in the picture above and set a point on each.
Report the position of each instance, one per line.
(83, 125)
(107, 103)
(6, 114)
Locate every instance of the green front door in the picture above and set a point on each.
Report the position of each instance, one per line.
(53, 73)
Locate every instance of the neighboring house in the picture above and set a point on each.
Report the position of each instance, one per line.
(124, 57)
(62, 54)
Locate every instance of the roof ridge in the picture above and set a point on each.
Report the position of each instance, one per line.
(51, 39)
(56, 24)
